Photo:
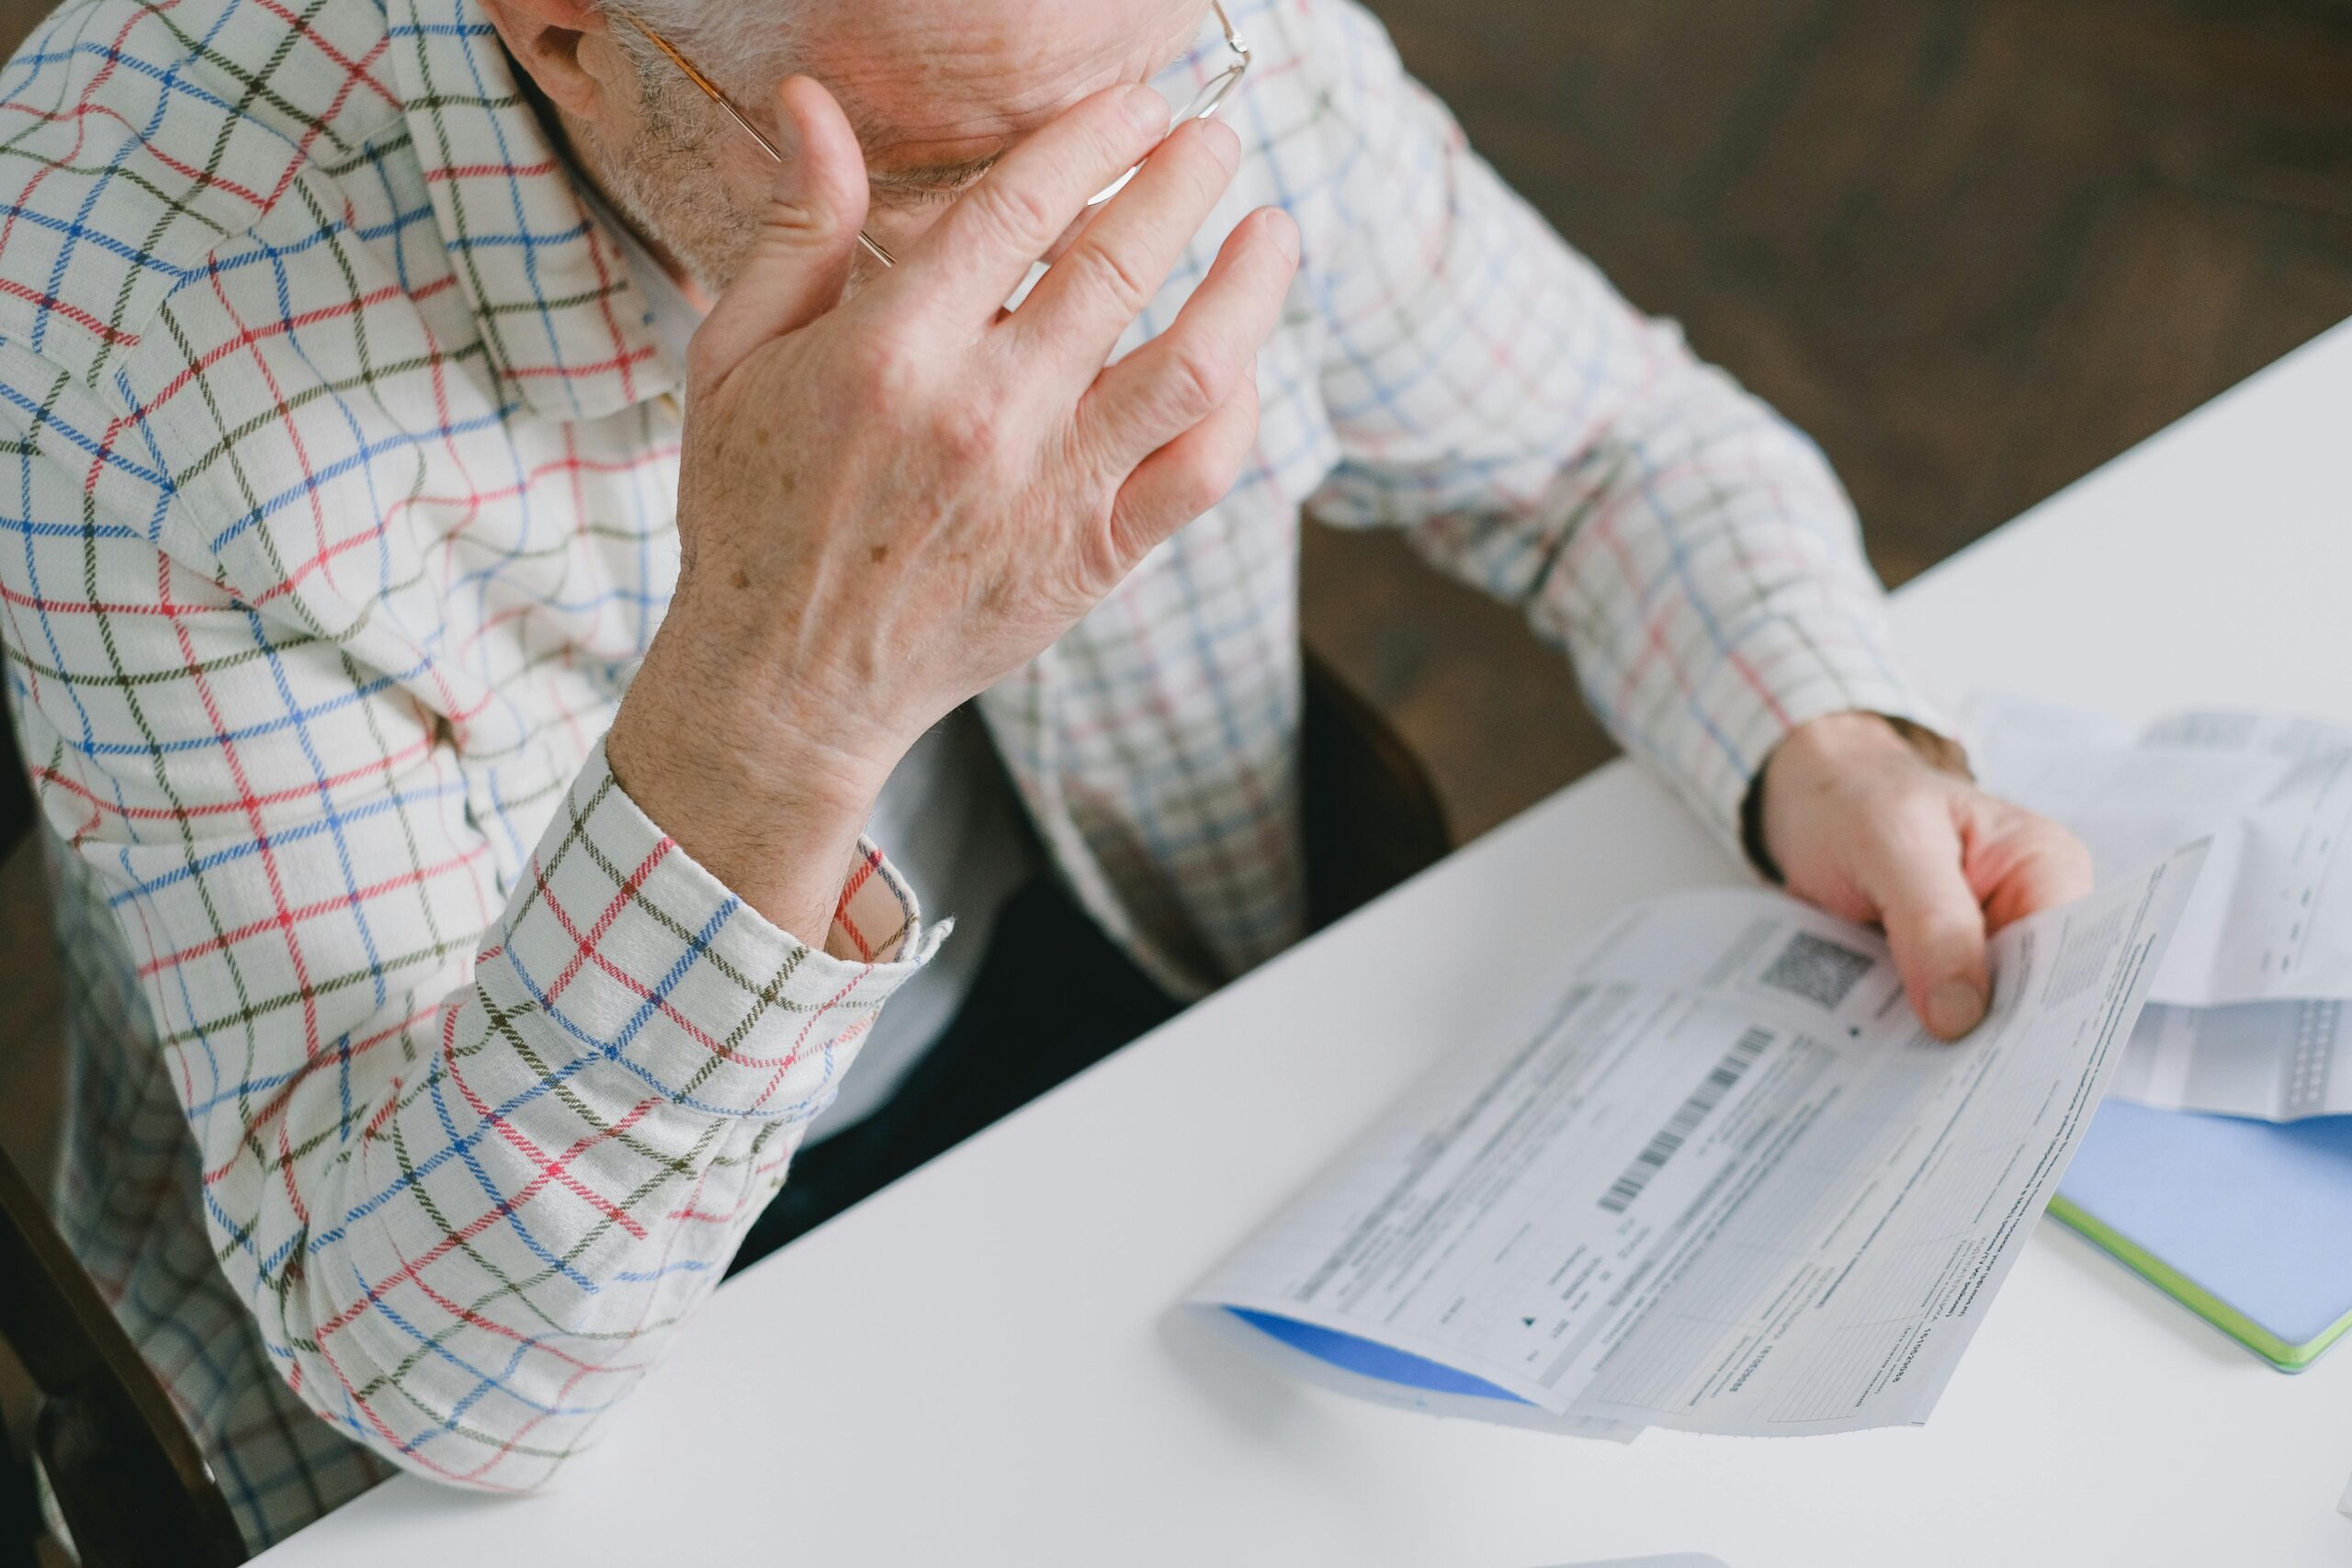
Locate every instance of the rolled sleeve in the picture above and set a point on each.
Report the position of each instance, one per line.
(637, 953)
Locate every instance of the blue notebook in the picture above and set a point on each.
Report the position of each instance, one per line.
(2245, 1222)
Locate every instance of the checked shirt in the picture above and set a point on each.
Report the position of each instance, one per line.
(421, 1086)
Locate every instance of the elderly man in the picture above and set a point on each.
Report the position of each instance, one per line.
(505, 573)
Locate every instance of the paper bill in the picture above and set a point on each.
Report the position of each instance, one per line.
(2272, 917)
(2276, 1061)
(1725, 1183)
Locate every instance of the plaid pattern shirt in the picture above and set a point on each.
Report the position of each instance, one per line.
(422, 1085)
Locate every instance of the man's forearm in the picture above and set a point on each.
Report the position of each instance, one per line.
(770, 810)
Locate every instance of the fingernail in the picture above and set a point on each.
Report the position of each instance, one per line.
(1147, 110)
(1954, 1008)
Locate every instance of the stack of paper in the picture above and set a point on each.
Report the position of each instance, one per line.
(2234, 1216)
(2251, 1002)
(1724, 1182)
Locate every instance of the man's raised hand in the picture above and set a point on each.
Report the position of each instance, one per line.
(888, 502)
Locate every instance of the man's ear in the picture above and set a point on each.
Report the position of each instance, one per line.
(561, 43)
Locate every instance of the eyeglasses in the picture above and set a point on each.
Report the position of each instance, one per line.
(1205, 103)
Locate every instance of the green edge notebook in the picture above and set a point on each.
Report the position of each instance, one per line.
(2242, 1221)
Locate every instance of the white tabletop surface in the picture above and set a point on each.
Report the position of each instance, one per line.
(981, 1365)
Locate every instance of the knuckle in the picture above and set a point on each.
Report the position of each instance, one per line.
(1885, 830)
(884, 373)
(1202, 483)
(2068, 858)
(1112, 276)
(2053, 833)
(1206, 171)
(972, 431)
(1011, 215)
(1918, 816)
(1944, 922)
(1198, 374)
(1108, 143)
(798, 224)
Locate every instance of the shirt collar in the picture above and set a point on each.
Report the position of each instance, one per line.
(669, 314)
(561, 318)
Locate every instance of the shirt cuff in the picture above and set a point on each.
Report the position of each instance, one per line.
(625, 949)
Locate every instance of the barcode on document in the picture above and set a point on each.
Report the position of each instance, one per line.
(1817, 969)
(1686, 1119)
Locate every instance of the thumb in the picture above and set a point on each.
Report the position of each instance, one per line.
(1937, 931)
(799, 261)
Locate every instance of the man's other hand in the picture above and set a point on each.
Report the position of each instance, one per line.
(1862, 823)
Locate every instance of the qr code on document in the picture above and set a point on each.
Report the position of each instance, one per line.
(1817, 969)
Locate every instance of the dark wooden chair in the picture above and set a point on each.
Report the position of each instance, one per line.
(134, 1487)
(1373, 817)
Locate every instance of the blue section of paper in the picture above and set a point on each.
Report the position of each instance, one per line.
(1371, 1358)
(2256, 1213)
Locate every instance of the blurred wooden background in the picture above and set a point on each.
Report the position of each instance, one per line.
(1976, 247)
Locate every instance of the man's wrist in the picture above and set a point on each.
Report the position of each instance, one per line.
(738, 785)
(771, 812)
(1940, 750)
(1831, 744)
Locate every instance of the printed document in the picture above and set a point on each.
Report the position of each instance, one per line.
(2272, 918)
(1724, 1182)
(2275, 1060)
(2248, 1012)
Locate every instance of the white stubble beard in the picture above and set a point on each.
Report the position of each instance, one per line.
(666, 183)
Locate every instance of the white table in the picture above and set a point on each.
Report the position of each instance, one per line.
(1001, 1379)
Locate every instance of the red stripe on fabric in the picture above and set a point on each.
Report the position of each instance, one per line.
(437, 175)
(352, 69)
(556, 1169)
(74, 313)
(407, 880)
(792, 1057)
(81, 135)
(619, 363)
(594, 236)
(584, 945)
(274, 1107)
(856, 880)
(230, 755)
(586, 950)
(277, 328)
